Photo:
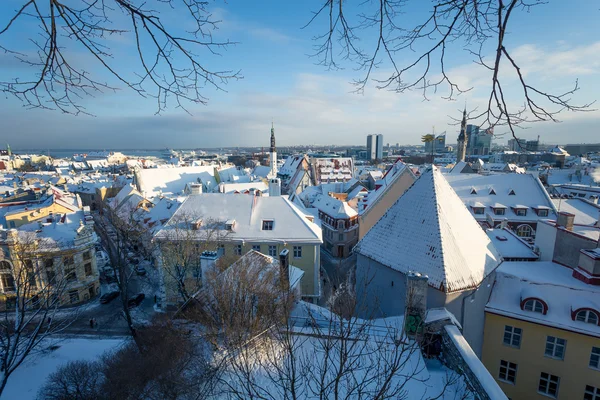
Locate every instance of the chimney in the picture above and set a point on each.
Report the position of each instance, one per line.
(274, 187)
(504, 223)
(565, 220)
(416, 304)
(208, 259)
(284, 268)
(195, 188)
(40, 224)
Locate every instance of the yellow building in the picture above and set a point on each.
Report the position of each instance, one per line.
(542, 333)
(58, 203)
(57, 254)
(240, 223)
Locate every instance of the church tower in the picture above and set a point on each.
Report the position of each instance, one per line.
(461, 150)
(273, 153)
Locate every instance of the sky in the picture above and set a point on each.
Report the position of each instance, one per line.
(555, 44)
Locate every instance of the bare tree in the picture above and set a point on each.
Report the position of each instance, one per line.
(123, 234)
(184, 240)
(79, 380)
(172, 61)
(34, 288)
(417, 51)
(317, 353)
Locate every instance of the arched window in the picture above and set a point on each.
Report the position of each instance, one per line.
(585, 315)
(4, 266)
(524, 230)
(535, 305)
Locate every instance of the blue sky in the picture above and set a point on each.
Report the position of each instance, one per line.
(555, 44)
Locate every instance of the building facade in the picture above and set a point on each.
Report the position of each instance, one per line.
(374, 147)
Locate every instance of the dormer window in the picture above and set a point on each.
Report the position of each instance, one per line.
(492, 191)
(230, 225)
(542, 213)
(478, 210)
(588, 316)
(473, 191)
(499, 210)
(511, 192)
(267, 225)
(535, 305)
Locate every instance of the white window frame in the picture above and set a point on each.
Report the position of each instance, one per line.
(256, 247)
(542, 213)
(548, 379)
(507, 366)
(297, 251)
(595, 358)
(591, 393)
(512, 333)
(524, 228)
(273, 250)
(268, 224)
(534, 303)
(237, 250)
(554, 346)
(587, 318)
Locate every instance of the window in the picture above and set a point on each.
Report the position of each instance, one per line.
(49, 263)
(521, 212)
(297, 251)
(508, 371)
(87, 255)
(256, 247)
(591, 393)
(549, 384)
(588, 316)
(68, 260)
(4, 266)
(492, 192)
(267, 226)
(221, 248)
(512, 336)
(237, 250)
(511, 192)
(341, 237)
(272, 250)
(542, 213)
(499, 211)
(12, 224)
(8, 282)
(524, 231)
(473, 191)
(595, 358)
(51, 275)
(70, 274)
(88, 269)
(73, 296)
(341, 224)
(534, 305)
(555, 347)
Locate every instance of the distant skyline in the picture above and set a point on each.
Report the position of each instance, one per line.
(555, 44)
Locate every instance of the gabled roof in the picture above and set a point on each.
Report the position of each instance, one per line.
(429, 230)
(153, 181)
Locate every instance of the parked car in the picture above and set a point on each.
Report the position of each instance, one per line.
(140, 270)
(108, 297)
(135, 300)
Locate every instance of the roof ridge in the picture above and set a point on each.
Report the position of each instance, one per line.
(437, 216)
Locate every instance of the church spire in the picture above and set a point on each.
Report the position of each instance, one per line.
(272, 137)
(461, 150)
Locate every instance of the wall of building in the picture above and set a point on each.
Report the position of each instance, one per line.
(21, 218)
(545, 238)
(309, 263)
(566, 249)
(375, 211)
(574, 371)
(383, 291)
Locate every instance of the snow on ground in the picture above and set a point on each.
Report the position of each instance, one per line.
(25, 382)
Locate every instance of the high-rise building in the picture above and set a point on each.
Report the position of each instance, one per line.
(374, 147)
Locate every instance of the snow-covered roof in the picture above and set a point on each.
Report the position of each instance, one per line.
(154, 181)
(261, 171)
(510, 245)
(585, 212)
(333, 207)
(248, 212)
(552, 283)
(479, 189)
(391, 176)
(429, 230)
